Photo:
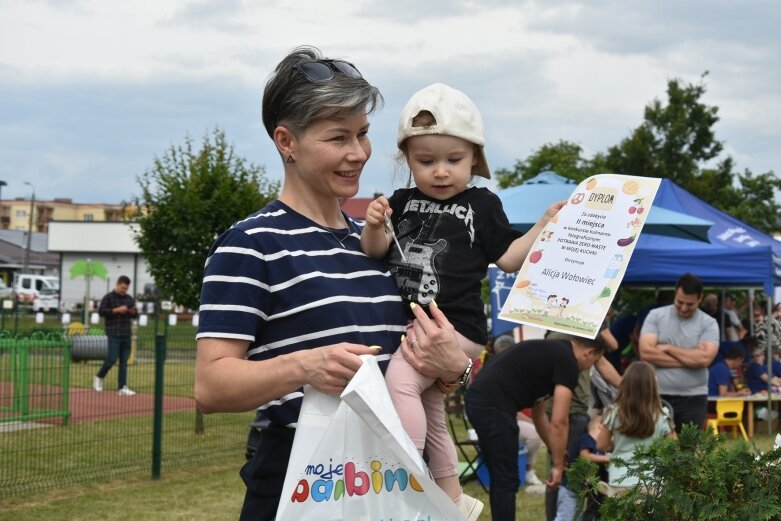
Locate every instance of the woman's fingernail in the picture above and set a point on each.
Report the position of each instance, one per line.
(412, 305)
(434, 303)
(403, 338)
(376, 348)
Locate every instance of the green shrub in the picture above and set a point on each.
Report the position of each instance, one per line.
(696, 477)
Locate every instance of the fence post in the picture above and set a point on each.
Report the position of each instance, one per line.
(157, 430)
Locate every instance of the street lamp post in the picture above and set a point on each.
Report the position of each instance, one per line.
(2, 184)
(26, 263)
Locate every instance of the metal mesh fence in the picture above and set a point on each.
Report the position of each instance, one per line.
(56, 429)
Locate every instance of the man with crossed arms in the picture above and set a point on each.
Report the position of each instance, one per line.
(681, 341)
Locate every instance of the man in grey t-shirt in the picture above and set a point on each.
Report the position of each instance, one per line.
(681, 341)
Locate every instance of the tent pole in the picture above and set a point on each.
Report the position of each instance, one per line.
(769, 360)
(722, 333)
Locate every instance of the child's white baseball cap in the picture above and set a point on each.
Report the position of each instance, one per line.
(455, 115)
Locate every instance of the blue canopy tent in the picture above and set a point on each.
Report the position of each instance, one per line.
(659, 261)
(524, 205)
(739, 256)
(727, 231)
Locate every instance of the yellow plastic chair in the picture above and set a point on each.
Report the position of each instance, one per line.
(729, 413)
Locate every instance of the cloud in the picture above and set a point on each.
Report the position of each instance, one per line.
(92, 89)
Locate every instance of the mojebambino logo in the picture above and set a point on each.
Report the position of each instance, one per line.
(335, 482)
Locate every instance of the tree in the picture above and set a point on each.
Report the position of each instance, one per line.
(677, 141)
(674, 139)
(756, 203)
(565, 158)
(187, 199)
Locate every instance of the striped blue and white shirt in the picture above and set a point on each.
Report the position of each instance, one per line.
(284, 283)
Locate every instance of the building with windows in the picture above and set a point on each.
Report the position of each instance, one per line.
(15, 213)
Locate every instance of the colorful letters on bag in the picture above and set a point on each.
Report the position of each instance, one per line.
(353, 482)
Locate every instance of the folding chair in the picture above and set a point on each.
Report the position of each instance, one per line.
(459, 427)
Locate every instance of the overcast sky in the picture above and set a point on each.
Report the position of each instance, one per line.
(91, 91)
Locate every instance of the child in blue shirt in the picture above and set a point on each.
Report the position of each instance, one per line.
(756, 373)
(567, 502)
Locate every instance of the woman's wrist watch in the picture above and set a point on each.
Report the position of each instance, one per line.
(448, 388)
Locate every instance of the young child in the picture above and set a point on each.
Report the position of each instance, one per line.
(567, 502)
(756, 373)
(636, 418)
(447, 235)
(757, 379)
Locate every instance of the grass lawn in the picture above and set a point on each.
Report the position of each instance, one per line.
(205, 493)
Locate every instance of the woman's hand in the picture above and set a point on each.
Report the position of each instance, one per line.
(431, 346)
(330, 368)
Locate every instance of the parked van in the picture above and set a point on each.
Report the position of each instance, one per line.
(28, 287)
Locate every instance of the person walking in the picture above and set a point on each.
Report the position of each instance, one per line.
(118, 309)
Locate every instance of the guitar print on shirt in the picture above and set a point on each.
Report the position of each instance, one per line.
(416, 276)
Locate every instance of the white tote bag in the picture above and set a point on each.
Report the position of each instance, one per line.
(352, 460)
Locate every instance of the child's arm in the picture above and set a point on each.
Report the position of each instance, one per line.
(596, 458)
(605, 439)
(374, 240)
(513, 258)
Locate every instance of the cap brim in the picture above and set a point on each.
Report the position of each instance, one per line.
(481, 167)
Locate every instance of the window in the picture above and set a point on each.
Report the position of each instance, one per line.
(88, 217)
(21, 213)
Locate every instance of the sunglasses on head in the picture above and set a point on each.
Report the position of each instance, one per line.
(324, 70)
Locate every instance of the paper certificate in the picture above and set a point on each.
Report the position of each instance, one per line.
(577, 262)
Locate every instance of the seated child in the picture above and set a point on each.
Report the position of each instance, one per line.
(757, 380)
(756, 373)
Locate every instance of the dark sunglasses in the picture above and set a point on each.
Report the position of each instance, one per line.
(324, 70)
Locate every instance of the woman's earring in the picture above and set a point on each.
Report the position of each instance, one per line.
(290, 159)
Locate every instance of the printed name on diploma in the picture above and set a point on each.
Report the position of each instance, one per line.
(572, 277)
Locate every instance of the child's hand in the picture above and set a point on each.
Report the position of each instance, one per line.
(552, 210)
(375, 213)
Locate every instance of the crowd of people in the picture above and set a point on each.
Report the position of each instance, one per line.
(666, 361)
(297, 292)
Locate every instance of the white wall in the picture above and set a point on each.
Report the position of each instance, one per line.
(92, 236)
(132, 265)
(110, 243)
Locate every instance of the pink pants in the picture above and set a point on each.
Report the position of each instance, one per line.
(421, 408)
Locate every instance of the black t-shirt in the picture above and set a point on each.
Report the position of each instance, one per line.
(526, 374)
(448, 246)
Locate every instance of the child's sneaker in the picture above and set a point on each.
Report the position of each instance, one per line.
(532, 479)
(97, 384)
(125, 391)
(762, 414)
(470, 507)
